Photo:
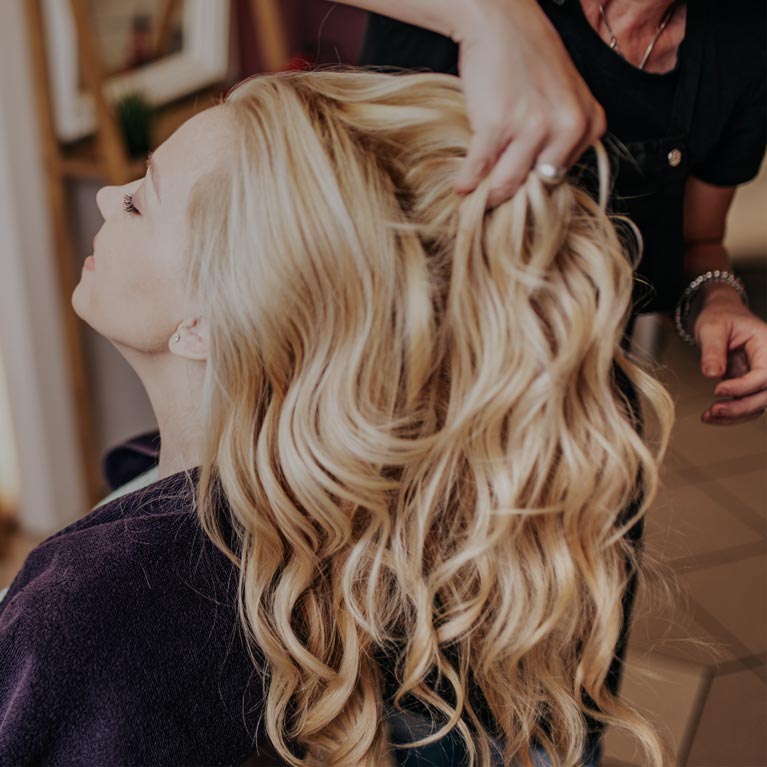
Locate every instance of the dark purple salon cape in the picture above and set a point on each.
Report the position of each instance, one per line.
(120, 644)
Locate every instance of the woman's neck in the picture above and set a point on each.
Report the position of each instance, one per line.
(174, 386)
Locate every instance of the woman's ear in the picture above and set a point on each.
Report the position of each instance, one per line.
(191, 339)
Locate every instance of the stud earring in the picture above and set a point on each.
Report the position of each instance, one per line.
(174, 338)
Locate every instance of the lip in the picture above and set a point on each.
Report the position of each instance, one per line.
(89, 264)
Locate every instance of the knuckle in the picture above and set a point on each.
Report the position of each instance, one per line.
(572, 124)
(536, 123)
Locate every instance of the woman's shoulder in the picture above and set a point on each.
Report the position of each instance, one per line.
(118, 546)
(129, 566)
(117, 618)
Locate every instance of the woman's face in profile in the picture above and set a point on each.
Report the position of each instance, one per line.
(133, 295)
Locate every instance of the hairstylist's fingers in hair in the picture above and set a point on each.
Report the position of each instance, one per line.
(484, 149)
(574, 138)
(589, 133)
(521, 155)
(512, 168)
(519, 80)
(559, 139)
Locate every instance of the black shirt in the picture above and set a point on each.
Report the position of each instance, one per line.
(719, 126)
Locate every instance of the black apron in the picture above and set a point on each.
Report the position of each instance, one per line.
(658, 168)
(655, 169)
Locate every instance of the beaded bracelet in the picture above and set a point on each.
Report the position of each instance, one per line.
(683, 306)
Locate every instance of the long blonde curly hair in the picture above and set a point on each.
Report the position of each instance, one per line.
(413, 415)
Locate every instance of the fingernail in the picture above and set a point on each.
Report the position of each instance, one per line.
(723, 392)
(710, 370)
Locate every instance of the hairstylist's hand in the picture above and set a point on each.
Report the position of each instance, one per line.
(526, 101)
(733, 345)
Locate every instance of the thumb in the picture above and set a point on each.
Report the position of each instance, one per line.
(713, 339)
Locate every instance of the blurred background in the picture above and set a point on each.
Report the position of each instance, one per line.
(87, 88)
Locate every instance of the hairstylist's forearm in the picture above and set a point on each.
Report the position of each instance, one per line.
(706, 208)
(452, 18)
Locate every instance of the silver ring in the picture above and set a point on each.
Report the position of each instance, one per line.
(550, 174)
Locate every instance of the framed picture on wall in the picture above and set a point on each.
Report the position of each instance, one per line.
(166, 49)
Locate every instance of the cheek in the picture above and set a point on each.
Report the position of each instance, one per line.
(132, 296)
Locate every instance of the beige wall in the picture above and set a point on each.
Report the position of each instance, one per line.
(31, 339)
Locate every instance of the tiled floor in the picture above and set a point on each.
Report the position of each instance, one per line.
(709, 523)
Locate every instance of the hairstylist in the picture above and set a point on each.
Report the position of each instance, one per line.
(681, 91)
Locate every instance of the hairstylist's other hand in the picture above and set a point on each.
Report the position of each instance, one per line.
(733, 344)
(526, 101)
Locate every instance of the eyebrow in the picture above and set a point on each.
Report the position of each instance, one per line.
(151, 167)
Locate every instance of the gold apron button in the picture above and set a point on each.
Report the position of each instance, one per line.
(674, 157)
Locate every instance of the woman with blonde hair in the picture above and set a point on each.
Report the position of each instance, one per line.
(401, 448)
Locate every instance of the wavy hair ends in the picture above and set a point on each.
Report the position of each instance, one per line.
(423, 425)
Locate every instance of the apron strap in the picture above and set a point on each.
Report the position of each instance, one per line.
(689, 76)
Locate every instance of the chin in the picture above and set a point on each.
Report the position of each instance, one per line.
(82, 304)
(77, 300)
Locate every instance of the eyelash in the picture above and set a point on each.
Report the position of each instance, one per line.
(128, 205)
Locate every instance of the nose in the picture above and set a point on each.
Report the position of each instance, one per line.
(106, 200)
(109, 199)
